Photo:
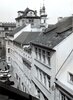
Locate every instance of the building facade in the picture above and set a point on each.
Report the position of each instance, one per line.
(5, 29)
(52, 65)
(30, 16)
(39, 58)
(18, 50)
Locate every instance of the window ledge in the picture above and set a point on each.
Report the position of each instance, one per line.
(43, 85)
(43, 63)
(70, 82)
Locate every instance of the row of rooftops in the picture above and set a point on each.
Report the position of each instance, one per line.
(24, 14)
(50, 37)
(7, 24)
(26, 11)
(55, 34)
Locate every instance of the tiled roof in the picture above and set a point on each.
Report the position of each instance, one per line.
(55, 34)
(8, 24)
(17, 29)
(26, 37)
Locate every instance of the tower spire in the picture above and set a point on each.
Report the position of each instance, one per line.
(43, 14)
(43, 2)
(42, 9)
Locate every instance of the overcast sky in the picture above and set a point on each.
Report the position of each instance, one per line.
(54, 8)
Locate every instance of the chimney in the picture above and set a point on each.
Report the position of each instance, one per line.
(60, 19)
(35, 12)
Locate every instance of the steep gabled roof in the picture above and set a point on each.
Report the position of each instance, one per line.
(55, 34)
(26, 37)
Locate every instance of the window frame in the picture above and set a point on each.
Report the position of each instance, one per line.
(44, 56)
(48, 58)
(39, 53)
(70, 77)
(8, 50)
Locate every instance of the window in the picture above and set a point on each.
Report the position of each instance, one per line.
(43, 53)
(6, 28)
(8, 58)
(44, 21)
(64, 97)
(19, 81)
(16, 76)
(37, 92)
(8, 50)
(48, 81)
(30, 20)
(44, 79)
(36, 52)
(36, 71)
(48, 57)
(40, 75)
(26, 63)
(40, 54)
(22, 86)
(71, 77)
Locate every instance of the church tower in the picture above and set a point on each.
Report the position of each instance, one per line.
(43, 15)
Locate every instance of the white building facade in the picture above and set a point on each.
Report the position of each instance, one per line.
(18, 51)
(37, 59)
(52, 69)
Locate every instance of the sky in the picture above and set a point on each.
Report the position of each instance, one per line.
(54, 8)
